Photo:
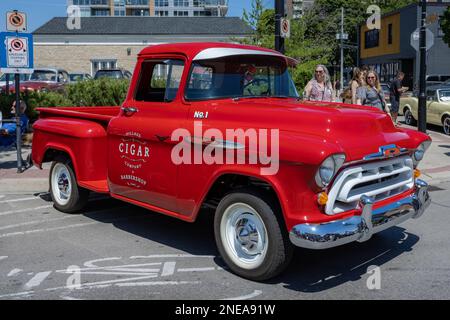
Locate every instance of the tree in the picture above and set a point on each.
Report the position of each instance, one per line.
(252, 18)
(445, 26)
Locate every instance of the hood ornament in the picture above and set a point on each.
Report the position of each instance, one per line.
(388, 151)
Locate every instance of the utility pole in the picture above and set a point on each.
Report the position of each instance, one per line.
(422, 123)
(342, 48)
(279, 13)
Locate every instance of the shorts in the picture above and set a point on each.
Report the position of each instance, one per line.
(395, 104)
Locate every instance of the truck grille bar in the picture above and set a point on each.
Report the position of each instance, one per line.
(378, 180)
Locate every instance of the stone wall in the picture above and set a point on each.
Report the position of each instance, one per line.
(77, 58)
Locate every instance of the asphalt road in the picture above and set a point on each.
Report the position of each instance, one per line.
(118, 251)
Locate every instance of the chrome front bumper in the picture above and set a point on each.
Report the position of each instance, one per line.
(361, 228)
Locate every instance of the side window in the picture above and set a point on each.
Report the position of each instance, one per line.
(159, 80)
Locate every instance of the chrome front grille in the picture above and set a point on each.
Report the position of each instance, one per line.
(379, 180)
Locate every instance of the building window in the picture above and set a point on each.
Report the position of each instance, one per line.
(372, 38)
(137, 2)
(161, 13)
(139, 12)
(390, 34)
(99, 12)
(102, 64)
(161, 3)
(181, 3)
(199, 13)
(180, 13)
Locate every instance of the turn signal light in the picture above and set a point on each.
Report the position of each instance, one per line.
(417, 173)
(322, 198)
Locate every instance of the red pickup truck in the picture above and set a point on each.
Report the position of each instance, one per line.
(222, 126)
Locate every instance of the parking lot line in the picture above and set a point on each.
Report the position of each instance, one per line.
(37, 279)
(34, 222)
(19, 200)
(24, 210)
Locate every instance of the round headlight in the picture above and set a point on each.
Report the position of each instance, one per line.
(327, 170)
(420, 152)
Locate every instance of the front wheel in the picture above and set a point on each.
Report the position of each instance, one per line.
(250, 236)
(67, 196)
(446, 124)
(409, 118)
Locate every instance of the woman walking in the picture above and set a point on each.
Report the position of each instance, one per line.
(371, 94)
(357, 82)
(320, 87)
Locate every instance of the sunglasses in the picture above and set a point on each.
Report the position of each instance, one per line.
(371, 77)
(319, 71)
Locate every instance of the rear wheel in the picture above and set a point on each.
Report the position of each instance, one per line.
(250, 235)
(446, 124)
(409, 118)
(67, 196)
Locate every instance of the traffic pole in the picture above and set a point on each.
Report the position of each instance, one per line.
(7, 84)
(18, 125)
(342, 49)
(422, 121)
(279, 14)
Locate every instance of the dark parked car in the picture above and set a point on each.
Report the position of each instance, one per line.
(79, 76)
(113, 74)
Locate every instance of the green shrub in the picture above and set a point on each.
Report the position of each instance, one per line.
(101, 92)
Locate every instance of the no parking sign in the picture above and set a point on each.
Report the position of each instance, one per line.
(16, 52)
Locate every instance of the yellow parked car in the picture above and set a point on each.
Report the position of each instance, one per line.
(438, 108)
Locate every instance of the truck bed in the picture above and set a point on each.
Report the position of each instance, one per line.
(103, 114)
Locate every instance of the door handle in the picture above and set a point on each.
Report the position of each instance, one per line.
(161, 138)
(129, 110)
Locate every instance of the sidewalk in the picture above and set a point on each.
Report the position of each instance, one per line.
(435, 167)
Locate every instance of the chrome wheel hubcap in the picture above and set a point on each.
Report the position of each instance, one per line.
(408, 117)
(244, 235)
(61, 186)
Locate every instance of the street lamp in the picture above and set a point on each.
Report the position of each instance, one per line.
(422, 121)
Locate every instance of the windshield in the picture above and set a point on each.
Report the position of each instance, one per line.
(240, 77)
(444, 95)
(43, 75)
(115, 74)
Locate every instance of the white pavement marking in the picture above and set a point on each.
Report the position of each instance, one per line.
(1, 197)
(196, 269)
(37, 279)
(3, 257)
(168, 269)
(113, 268)
(170, 256)
(35, 222)
(91, 263)
(156, 283)
(101, 283)
(13, 272)
(24, 210)
(19, 200)
(25, 293)
(246, 297)
(20, 233)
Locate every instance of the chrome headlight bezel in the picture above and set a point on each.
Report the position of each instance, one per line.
(419, 153)
(328, 169)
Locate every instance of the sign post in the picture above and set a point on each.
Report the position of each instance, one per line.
(285, 28)
(16, 57)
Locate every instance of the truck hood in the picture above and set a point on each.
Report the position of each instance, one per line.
(326, 128)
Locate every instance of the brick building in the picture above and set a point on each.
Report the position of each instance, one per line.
(113, 42)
